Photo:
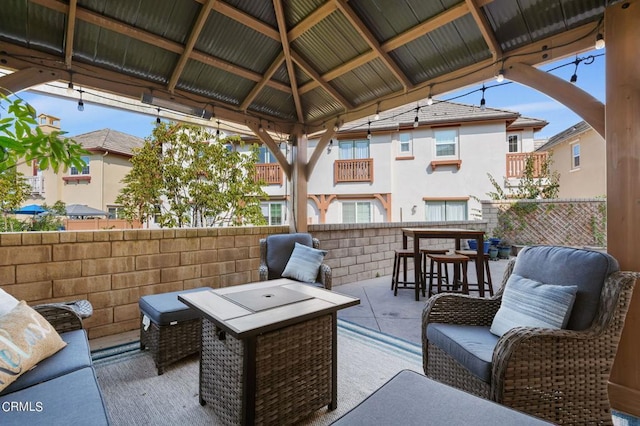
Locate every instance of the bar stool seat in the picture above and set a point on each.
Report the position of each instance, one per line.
(400, 259)
(459, 262)
(473, 256)
(428, 273)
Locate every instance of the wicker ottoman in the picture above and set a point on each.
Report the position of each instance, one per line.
(169, 328)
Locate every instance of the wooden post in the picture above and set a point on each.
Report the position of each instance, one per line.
(623, 188)
(300, 183)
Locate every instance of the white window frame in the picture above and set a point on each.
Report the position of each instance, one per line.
(447, 209)
(405, 143)
(575, 159)
(350, 148)
(265, 156)
(517, 147)
(269, 217)
(356, 204)
(86, 170)
(437, 144)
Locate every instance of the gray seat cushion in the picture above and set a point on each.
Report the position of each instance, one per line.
(585, 269)
(279, 249)
(472, 346)
(72, 399)
(410, 398)
(165, 308)
(74, 356)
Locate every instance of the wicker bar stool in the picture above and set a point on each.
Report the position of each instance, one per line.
(399, 259)
(458, 261)
(428, 273)
(473, 256)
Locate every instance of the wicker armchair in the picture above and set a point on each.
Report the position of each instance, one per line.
(63, 318)
(275, 251)
(557, 375)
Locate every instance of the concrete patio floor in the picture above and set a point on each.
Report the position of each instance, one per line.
(399, 316)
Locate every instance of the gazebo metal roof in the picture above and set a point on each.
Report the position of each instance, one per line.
(285, 63)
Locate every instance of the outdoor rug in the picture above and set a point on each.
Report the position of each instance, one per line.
(135, 395)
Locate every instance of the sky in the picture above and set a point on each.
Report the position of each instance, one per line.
(514, 97)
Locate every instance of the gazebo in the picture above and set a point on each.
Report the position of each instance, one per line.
(300, 67)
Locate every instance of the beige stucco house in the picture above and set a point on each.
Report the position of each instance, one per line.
(578, 154)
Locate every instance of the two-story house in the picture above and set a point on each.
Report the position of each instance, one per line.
(578, 155)
(412, 164)
(98, 183)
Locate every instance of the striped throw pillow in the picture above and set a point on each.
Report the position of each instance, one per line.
(304, 263)
(531, 303)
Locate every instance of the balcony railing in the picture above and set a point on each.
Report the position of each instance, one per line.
(37, 184)
(516, 163)
(269, 173)
(360, 170)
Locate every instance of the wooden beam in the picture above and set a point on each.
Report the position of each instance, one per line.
(191, 42)
(266, 139)
(312, 19)
(26, 78)
(282, 26)
(260, 85)
(71, 26)
(364, 32)
(316, 77)
(245, 19)
(322, 145)
(485, 29)
(579, 101)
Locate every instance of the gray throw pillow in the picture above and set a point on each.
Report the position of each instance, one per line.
(531, 303)
(304, 263)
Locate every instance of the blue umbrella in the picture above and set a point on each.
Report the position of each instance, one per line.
(32, 209)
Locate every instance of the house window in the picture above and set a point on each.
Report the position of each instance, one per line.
(356, 212)
(446, 210)
(446, 142)
(513, 143)
(265, 156)
(354, 150)
(85, 169)
(273, 213)
(405, 143)
(116, 212)
(575, 156)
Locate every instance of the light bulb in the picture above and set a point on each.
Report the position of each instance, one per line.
(80, 105)
(599, 41)
(483, 104)
(574, 78)
(500, 76)
(415, 121)
(70, 88)
(429, 100)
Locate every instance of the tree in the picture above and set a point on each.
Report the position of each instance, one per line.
(14, 189)
(51, 219)
(532, 185)
(20, 138)
(202, 181)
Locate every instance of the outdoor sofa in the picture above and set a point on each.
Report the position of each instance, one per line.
(59, 390)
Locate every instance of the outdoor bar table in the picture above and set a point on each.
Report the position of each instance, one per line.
(445, 233)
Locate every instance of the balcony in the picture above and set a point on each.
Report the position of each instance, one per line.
(516, 163)
(360, 170)
(37, 184)
(269, 173)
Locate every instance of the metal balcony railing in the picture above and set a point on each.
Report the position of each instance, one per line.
(360, 170)
(516, 162)
(37, 184)
(269, 173)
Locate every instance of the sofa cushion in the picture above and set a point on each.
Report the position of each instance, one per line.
(165, 308)
(26, 338)
(74, 356)
(279, 249)
(472, 346)
(531, 303)
(7, 302)
(585, 269)
(72, 399)
(304, 263)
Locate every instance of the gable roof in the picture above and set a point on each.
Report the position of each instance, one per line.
(108, 140)
(564, 135)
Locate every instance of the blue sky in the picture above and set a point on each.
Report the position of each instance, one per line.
(514, 97)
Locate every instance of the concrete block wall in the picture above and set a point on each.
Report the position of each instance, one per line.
(114, 268)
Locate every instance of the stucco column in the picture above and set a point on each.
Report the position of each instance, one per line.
(622, 120)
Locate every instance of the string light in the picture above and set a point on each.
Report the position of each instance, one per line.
(70, 88)
(430, 98)
(599, 41)
(80, 102)
(158, 117)
(218, 129)
(500, 76)
(377, 116)
(483, 102)
(416, 120)
(574, 77)
(369, 132)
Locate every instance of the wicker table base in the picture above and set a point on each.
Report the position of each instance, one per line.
(278, 377)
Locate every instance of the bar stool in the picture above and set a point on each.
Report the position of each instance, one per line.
(459, 262)
(473, 255)
(401, 256)
(424, 253)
